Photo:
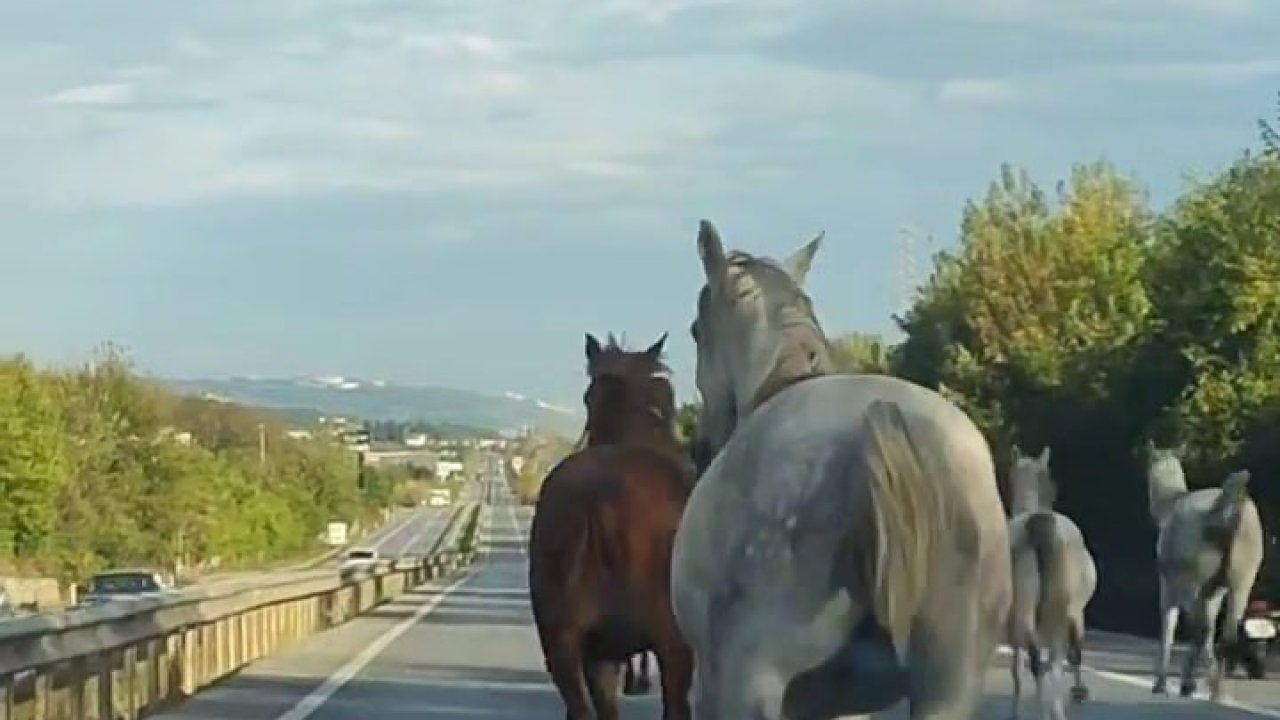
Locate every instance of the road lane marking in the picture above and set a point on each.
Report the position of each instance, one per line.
(315, 699)
(1147, 681)
(378, 539)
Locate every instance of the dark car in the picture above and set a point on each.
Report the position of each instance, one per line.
(123, 584)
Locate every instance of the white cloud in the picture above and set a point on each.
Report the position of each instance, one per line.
(98, 94)
(295, 97)
(471, 46)
(384, 105)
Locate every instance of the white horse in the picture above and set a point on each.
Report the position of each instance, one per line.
(1208, 549)
(1054, 578)
(846, 547)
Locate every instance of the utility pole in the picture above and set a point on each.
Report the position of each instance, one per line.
(262, 446)
(906, 266)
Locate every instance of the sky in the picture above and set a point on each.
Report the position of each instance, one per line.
(452, 192)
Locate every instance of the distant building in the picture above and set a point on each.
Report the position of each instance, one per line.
(445, 468)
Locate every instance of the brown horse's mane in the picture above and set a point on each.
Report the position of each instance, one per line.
(616, 359)
(629, 392)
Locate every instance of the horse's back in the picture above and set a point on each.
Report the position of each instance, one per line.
(1186, 556)
(1181, 535)
(806, 423)
(779, 464)
(605, 518)
(1082, 570)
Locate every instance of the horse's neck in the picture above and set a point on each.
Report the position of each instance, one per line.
(1163, 494)
(796, 364)
(1025, 501)
(634, 430)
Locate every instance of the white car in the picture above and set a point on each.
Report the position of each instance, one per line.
(360, 557)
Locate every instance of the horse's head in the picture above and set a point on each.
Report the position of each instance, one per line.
(755, 331)
(1031, 485)
(627, 391)
(1166, 481)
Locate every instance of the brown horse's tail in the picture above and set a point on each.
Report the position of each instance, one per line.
(909, 521)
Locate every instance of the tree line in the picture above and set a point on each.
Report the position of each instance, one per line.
(100, 467)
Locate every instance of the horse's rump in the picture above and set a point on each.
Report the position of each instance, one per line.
(600, 545)
(1053, 601)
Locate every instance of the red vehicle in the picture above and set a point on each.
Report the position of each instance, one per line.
(1257, 633)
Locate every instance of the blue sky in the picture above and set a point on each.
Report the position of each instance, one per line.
(452, 192)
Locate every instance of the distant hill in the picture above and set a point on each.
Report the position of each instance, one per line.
(301, 399)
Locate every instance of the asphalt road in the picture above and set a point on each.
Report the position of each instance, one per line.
(410, 532)
(467, 650)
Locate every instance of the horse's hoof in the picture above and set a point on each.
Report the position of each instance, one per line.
(1079, 694)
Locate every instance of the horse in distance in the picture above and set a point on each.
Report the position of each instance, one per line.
(1054, 578)
(600, 542)
(1209, 547)
(845, 547)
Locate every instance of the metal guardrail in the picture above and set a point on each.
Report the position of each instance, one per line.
(130, 658)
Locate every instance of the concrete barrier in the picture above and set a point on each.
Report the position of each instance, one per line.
(129, 658)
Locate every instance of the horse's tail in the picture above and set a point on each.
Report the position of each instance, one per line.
(1226, 510)
(1053, 604)
(908, 517)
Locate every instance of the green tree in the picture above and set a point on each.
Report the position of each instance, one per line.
(857, 352)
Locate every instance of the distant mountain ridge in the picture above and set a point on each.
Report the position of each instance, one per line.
(378, 400)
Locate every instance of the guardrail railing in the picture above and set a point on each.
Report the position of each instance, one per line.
(129, 658)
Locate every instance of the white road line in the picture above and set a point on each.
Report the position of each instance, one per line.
(1146, 681)
(332, 684)
(378, 541)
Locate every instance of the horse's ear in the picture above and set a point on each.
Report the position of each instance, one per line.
(799, 262)
(711, 250)
(655, 350)
(593, 348)
(1044, 456)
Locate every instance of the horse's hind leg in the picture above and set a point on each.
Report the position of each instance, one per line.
(1075, 658)
(1054, 704)
(1237, 601)
(675, 673)
(629, 681)
(636, 680)
(1035, 660)
(949, 658)
(643, 684)
(1168, 629)
(602, 683)
(564, 662)
(1016, 672)
(1206, 630)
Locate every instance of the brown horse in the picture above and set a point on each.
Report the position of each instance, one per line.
(600, 545)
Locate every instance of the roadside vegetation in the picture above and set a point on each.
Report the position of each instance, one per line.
(102, 468)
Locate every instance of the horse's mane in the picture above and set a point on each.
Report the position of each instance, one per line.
(806, 350)
(620, 376)
(616, 359)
